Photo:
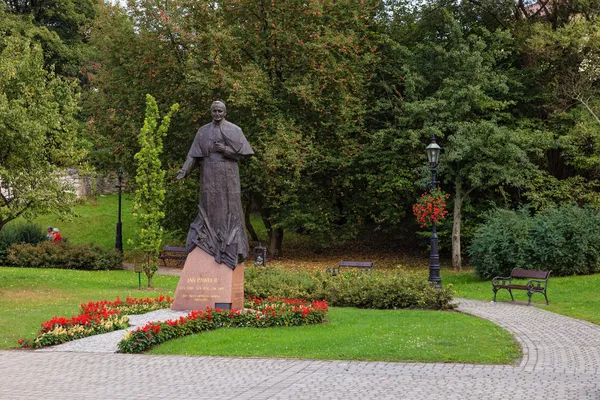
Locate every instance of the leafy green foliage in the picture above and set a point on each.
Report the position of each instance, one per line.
(501, 243)
(63, 255)
(38, 126)
(338, 100)
(367, 290)
(62, 29)
(566, 241)
(291, 73)
(25, 232)
(150, 192)
(181, 202)
(563, 240)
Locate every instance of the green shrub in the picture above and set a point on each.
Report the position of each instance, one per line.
(274, 282)
(384, 291)
(63, 255)
(24, 232)
(362, 290)
(501, 243)
(564, 240)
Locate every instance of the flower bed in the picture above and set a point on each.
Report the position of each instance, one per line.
(94, 318)
(258, 313)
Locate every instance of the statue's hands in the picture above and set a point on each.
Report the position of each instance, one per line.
(219, 147)
(180, 174)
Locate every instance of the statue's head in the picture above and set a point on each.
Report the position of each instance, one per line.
(218, 110)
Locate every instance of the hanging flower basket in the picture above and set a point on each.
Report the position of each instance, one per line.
(431, 208)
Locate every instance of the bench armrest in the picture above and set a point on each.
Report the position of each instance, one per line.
(501, 280)
(539, 284)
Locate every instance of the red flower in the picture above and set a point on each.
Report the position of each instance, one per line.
(431, 208)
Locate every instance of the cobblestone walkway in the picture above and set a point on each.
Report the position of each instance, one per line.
(561, 358)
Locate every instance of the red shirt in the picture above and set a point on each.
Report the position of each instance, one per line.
(57, 237)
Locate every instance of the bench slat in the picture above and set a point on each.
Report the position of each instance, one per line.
(176, 249)
(356, 264)
(526, 273)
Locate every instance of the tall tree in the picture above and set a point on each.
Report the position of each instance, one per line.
(291, 74)
(298, 71)
(67, 24)
(455, 84)
(38, 128)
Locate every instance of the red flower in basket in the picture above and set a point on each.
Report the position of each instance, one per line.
(431, 208)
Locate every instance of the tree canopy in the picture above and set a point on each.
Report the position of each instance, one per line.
(39, 131)
(337, 98)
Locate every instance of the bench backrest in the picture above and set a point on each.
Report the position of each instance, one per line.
(356, 264)
(178, 249)
(527, 273)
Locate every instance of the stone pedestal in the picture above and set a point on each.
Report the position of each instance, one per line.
(204, 283)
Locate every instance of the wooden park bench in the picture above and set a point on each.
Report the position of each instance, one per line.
(537, 282)
(173, 253)
(363, 266)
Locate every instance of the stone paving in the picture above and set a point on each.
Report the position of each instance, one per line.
(561, 357)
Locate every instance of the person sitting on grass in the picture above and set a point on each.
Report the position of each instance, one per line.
(49, 234)
(57, 237)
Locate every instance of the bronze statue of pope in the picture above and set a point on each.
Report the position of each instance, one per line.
(219, 226)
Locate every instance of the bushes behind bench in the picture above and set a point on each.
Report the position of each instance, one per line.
(565, 240)
(390, 290)
(63, 255)
(23, 232)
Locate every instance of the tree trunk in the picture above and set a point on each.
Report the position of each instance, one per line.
(275, 234)
(249, 227)
(148, 270)
(458, 200)
(266, 217)
(275, 242)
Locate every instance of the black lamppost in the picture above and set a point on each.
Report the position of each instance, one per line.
(119, 239)
(433, 155)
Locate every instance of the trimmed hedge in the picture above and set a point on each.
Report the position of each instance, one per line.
(63, 255)
(351, 289)
(565, 240)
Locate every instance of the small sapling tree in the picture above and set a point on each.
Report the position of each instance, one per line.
(150, 191)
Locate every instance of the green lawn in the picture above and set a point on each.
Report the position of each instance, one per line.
(371, 335)
(574, 296)
(31, 296)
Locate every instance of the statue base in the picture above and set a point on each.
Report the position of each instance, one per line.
(205, 283)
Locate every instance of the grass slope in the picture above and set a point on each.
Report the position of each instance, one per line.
(95, 221)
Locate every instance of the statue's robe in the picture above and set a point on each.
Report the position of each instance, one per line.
(219, 228)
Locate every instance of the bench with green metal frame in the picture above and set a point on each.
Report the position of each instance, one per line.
(537, 282)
